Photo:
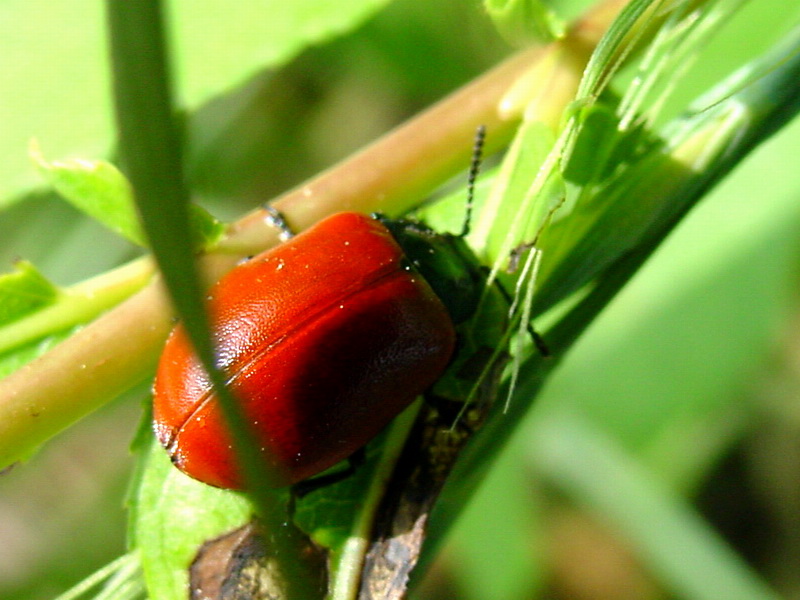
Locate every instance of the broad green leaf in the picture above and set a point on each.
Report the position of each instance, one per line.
(174, 516)
(60, 91)
(327, 514)
(97, 188)
(217, 47)
(23, 292)
(100, 190)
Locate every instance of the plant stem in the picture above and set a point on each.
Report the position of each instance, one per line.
(151, 148)
(79, 303)
(396, 172)
(93, 366)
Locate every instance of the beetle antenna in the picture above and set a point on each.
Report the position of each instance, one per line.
(474, 169)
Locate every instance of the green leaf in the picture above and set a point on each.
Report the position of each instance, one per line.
(206, 230)
(32, 309)
(13, 359)
(61, 90)
(593, 152)
(605, 59)
(662, 367)
(24, 291)
(524, 21)
(265, 34)
(100, 190)
(95, 187)
(525, 190)
(327, 515)
(174, 515)
(675, 541)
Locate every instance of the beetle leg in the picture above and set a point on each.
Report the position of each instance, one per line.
(536, 337)
(354, 462)
(276, 219)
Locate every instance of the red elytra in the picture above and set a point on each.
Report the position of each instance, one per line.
(324, 339)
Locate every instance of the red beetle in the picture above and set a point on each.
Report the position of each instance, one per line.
(324, 339)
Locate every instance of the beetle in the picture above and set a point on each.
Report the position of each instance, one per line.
(324, 339)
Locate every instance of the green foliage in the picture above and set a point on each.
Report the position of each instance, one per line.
(525, 21)
(22, 353)
(24, 291)
(239, 43)
(97, 188)
(328, 514)
(655, 520)
(235, 44)
(174, 515)
(642, 410)
(518, 204)
(100, 190)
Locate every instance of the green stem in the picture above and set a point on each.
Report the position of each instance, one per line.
(79, 304)
(92, 367)
(151, 150)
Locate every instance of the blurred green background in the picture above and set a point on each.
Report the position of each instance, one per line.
(682, 397)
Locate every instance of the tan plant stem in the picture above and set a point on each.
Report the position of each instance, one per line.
(118, 350)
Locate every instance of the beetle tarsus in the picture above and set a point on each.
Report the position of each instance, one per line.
(276, 219)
